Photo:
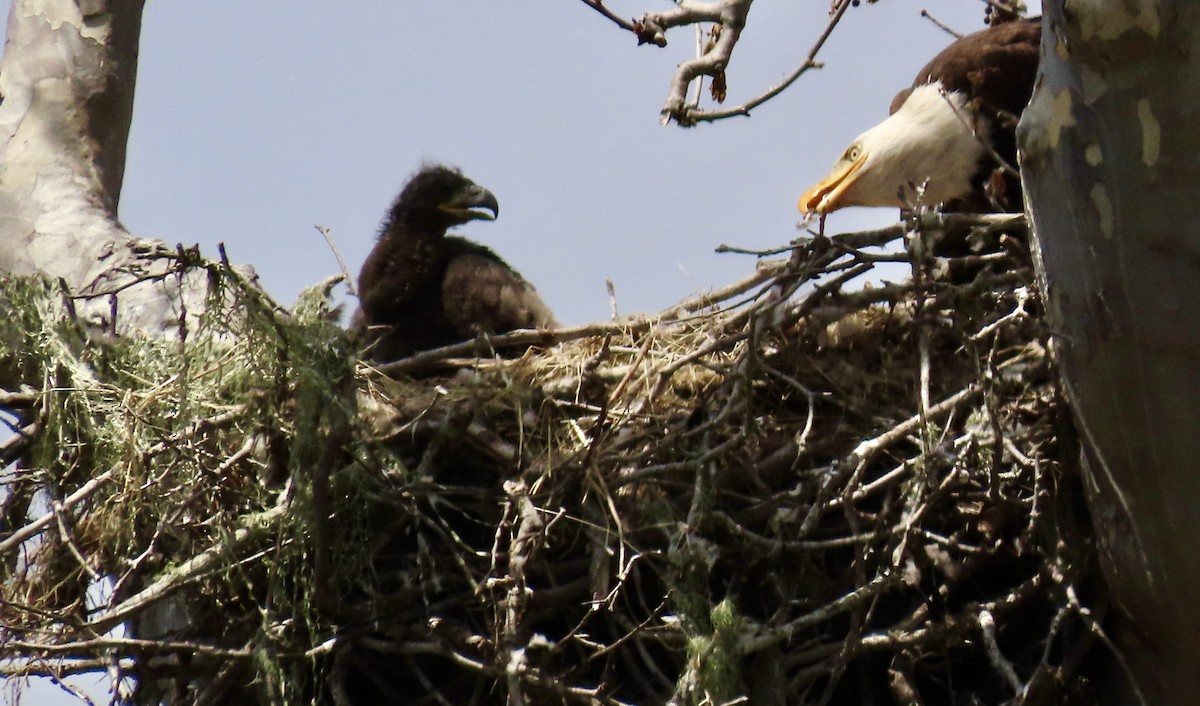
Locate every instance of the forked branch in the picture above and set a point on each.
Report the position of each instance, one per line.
(731, 15)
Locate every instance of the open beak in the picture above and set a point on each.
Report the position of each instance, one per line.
(469, 204)
(826, 196)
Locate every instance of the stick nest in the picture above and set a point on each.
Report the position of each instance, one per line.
(796, 490)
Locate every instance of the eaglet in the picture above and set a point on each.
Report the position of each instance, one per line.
(421, 288)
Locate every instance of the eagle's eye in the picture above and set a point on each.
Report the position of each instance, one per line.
(853, 152)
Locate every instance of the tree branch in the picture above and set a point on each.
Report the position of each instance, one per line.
(33, 528)
(598, 6)
(730, 14)
(172, 580)
(810, 62)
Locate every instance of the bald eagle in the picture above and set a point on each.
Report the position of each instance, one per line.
(420, 288)
(952, 131)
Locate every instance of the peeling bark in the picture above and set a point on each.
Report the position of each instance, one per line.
(67, 81)
(730, 14)
(1110, 159)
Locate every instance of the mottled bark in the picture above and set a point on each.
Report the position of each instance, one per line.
(67, 80)
(1110, 156)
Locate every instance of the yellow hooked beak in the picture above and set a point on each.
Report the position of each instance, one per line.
(826, 195)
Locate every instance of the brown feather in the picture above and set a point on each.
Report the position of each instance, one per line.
(419, 289)
(995, 66)
(482, 294)
(996, 69)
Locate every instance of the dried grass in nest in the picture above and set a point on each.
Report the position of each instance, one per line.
(793, 491)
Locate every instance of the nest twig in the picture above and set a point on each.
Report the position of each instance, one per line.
(797, 489)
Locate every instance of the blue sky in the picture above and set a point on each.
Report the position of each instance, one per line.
(256, 121)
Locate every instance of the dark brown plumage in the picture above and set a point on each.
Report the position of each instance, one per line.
(420, 289)
(996, 68)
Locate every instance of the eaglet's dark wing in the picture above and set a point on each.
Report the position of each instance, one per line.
(480, 293)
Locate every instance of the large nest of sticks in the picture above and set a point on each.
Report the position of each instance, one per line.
(796, 490)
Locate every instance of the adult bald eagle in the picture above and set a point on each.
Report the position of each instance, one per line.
(421, 289)
(949, 131)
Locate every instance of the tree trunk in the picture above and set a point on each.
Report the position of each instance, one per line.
(1110, 157)
(67, 80)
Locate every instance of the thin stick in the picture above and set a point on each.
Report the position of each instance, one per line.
(33, 528)
(598, 6)
(549, 337)
(341, 262)
(171, 580)
(1008, 168)
(941, 25)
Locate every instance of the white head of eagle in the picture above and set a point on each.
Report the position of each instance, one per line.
(951, 135)
(932, 142)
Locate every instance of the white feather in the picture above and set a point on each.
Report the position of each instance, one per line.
(932, 139)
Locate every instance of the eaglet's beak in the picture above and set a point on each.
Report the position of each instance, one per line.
(467, 204)
(826, 196)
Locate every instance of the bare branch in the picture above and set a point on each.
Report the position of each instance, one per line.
(731, 15)
(350, 282)
(941, 25)
(754, 642)
(633, 324)
(86, 648)
(186, 571)
(653, 26)
(987, 628)
(24, 668)
(33, 528)
(810, 62)
(598, 6)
